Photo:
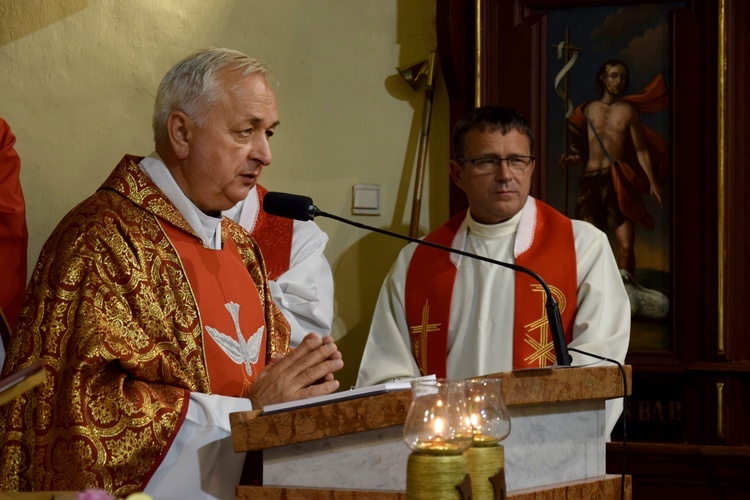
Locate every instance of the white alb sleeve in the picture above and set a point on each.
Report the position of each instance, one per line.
(201, 463)
(304, 293)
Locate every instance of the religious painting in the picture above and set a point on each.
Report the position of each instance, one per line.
(608, 129)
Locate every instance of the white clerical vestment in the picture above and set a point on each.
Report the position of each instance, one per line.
(480, 339)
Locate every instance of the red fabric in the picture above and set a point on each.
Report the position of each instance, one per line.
(654, 97)
(429, 287)
(431, 277)
(274, 237)
(217, 278)
(552, 256)
(13, 233)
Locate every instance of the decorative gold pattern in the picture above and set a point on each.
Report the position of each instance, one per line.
(422, 330)
(544, 348)
(111, 314)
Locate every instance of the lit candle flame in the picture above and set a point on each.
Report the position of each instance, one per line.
(438, 427)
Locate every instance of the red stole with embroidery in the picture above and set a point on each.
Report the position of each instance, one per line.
(552, 256)
(234, 333)
(428, 290)
(274, 236)
(431, 277)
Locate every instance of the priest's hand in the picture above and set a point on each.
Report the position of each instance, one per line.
(305, 372)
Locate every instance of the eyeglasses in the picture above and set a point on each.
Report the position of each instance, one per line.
(490, 164)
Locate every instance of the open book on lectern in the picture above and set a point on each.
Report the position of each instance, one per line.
(395, 385)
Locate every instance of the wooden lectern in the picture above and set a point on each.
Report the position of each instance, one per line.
(354, 449)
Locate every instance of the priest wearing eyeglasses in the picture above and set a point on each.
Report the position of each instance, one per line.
(456, 317)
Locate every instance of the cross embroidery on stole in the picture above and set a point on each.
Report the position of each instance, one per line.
(544, 348)
(421, 330)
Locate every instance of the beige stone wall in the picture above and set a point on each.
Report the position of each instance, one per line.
(78, 78)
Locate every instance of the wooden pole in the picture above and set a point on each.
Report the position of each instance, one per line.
(423, 142)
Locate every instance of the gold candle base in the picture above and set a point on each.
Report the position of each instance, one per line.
(435, 477)
(487, 471)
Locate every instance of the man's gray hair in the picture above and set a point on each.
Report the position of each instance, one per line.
(191, 86)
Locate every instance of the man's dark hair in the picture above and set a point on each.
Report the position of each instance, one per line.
(602, 75)
(492, 118)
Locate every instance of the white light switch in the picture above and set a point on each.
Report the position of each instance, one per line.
(366, 199)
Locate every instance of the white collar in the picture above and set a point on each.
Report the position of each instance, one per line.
(206, 227)
(492, 231)
(246, 211)
(523, 224)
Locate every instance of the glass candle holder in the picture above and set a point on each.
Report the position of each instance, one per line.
(438, 431)
(490, 421)
(438, 420)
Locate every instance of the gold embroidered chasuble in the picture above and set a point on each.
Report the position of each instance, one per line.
(110, 311)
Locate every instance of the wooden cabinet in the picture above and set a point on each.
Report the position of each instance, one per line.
(689, 413)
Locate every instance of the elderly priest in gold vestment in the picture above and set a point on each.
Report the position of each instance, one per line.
(152, 313)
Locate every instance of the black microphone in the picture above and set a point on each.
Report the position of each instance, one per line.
(290, 206)
(298, 207)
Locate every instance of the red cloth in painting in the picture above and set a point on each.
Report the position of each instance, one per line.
(628, 177)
